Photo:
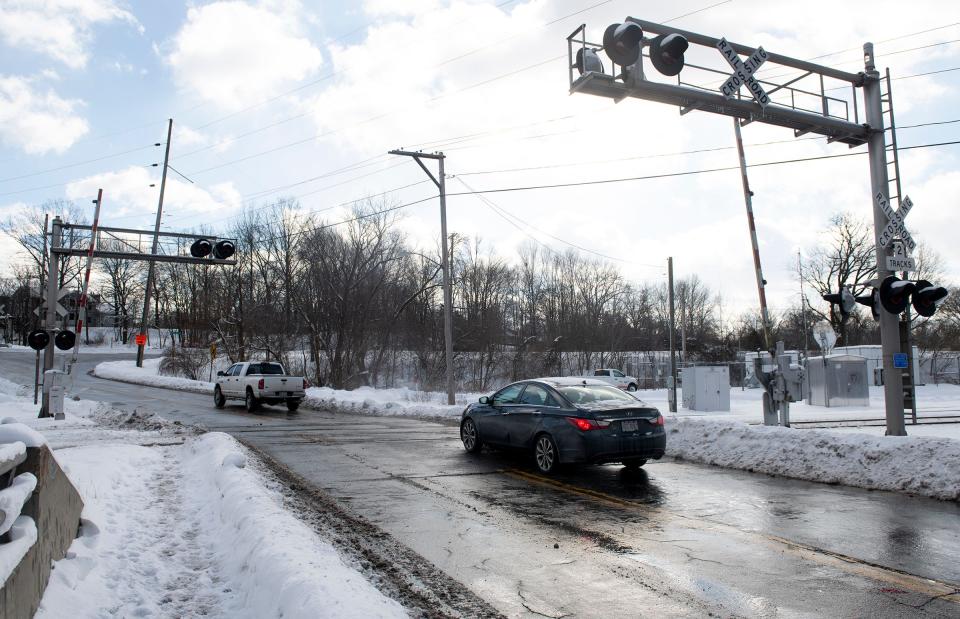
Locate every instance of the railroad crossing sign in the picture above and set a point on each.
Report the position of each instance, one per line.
(743, 72)
(896, 227)
(61, 310)
(899, 260)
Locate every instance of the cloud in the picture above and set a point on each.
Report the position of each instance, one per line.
(232, 53)
(127, 194)
(60, 29)
(37, 122)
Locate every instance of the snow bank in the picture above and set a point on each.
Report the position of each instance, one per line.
(279, 566)
(398, 402)
(919, 465)
(13, 432)
(128, 371)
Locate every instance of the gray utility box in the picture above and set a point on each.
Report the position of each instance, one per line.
(838, 380)
(706, 388)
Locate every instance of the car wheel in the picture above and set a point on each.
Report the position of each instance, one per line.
(251, 402)
(546, 454)
(631, 387)
(218, 400)
(633, 464)
(293, 405)
(470, 436)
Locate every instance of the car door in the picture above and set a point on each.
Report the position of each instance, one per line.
(226, 386)
(525, 418)
(494, 427)
(619, 379)
(235, 383)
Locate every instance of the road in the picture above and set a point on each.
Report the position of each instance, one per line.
(675, 539)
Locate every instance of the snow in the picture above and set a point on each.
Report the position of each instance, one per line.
(914, 464)
(11, 451)
(183, 530)
(175, 523)
(13, 497)
(927, 462)
(13, 432)
(23, 535)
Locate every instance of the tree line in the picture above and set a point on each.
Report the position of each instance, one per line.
(357, 303)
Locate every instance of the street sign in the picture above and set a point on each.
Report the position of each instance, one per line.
(141, 339)
(743, 72)
(900, 360)
(896, 227)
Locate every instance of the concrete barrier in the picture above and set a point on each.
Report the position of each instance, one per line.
(55, 507)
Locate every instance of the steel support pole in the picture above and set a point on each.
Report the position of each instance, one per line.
(672, 387)
(447, 291)
(748, 200)
(156, 242)
(50, 323)
(879, 184)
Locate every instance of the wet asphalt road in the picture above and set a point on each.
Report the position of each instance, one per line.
(676, 539)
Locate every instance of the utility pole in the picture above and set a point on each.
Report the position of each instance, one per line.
(803, 306)
(672, 383)
(156, 243)
(889, 329)
(50, 323)
(444, 257)
(43, 269)
(748, 200)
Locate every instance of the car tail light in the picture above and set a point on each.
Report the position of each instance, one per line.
(260, 384)
(588, 424)
(306, 384)
(657, 421)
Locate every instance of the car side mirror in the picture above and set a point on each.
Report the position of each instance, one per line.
(484, 399)
(221, 373)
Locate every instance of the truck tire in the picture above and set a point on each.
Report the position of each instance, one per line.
(631, 387)
(293, 405)
(218, 399)
(251, 401)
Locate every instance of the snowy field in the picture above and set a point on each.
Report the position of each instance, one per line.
(177, 523)
(927, 462)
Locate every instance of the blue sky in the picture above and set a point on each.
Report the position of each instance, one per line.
(275, 98)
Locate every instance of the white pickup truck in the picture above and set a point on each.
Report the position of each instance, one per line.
(616, 378)
(259, 383)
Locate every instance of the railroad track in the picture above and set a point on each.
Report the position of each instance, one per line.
(874, 421)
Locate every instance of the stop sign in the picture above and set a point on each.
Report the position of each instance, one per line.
(141, 339)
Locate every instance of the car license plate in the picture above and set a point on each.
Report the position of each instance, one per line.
(628, 426)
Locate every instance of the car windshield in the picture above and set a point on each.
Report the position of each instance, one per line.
(594, 395)
(265, 369)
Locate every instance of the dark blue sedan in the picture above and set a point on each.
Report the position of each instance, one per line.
(566, 420)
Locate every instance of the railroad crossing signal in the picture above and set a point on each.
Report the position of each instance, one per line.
(61, 310)
(743, 72)
(896, 227)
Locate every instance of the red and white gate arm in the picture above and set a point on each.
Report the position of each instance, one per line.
(82, 309)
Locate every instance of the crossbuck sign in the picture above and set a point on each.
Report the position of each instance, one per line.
(896, 227)
(743, 72)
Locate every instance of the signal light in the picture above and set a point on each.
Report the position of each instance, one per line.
(201, 248)
(38, 339)
(223, 250)
(587, 60)
(927, 297)
(844, 299)
(65, 340)
(666, 53)
(895, 293)
(872, 301)
(622, 43)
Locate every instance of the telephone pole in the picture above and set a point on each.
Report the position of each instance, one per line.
(444, 257)
(156, 243)
(672, 383)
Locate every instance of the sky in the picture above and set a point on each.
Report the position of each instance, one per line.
(303, 99)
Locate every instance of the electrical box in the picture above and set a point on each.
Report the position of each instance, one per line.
(838, 380)
(55, 384)
(706, 388)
